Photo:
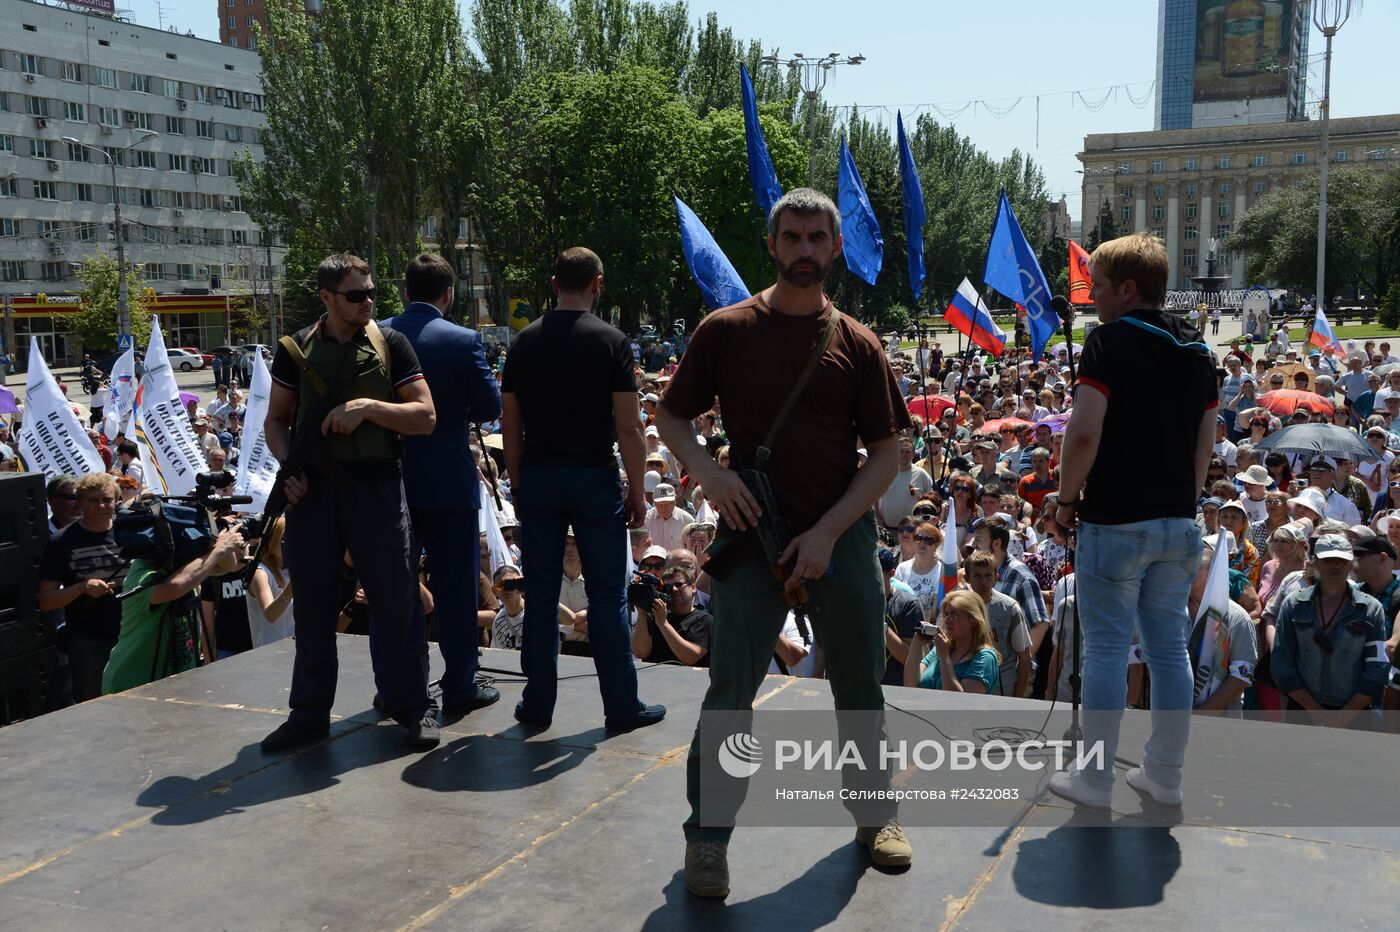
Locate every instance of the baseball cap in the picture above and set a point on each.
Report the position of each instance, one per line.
(664, 492)
(1370, 546)
(651, 396)
(653, 432)
(652, 552)
(204, 422)
(1334, 547)
(225, 439)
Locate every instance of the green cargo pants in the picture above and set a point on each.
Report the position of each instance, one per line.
(847, 620)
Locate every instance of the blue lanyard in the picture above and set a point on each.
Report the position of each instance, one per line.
(1158, 331)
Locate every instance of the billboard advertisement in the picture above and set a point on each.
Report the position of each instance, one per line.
(1244, 49)
(95, 6)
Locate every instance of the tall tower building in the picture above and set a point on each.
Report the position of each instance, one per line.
(1230, 62)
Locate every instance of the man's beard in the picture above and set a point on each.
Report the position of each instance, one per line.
(804, 273)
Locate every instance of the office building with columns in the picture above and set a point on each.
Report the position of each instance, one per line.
(1191, 185)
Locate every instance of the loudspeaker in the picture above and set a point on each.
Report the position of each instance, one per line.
(24, 530)
(27, 685)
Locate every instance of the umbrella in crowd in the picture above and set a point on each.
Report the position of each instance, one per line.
(1385, 370)
(930, 407)
(1288, 371)
(1314, 440)
(995, 426)
(1284, 401)
(7, 402)
(1056, 423)
(187, 397)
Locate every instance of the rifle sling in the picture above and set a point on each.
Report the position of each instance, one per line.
(765, 450)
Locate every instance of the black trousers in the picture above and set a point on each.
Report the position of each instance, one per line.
(370, 519)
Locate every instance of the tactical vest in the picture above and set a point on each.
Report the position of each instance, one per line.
(344, 371)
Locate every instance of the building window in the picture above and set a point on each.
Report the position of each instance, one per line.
(1224, 162)
(141, 83)
(1340, 156)
(1191, 232)
(170, 88)
(72, 71)
(150, 198)
(230, 2)
(175, 126)
(1125, 167)
(238, 237)
(9, 227)
(204, 166)
(1190, 165)
(9, 187)
(7, 143)
(107, 116)
(1259, 161)
(106, 77)
(1222, 231)
(77, 153)
(201, 94)
(12, 270)
(72, 110)
(1158, 211)
(1188, 260)
(1225, 188)
(1125, 192)
(232, 134)
(179, 163)
(37, 106)
(1156, 165)
(204, 129)
(137, 120)
(46, 190)
(5, 104)
(31, 64)
(1191, 189)
(145, 159)
(1258, 187)
(233, 24)
(1300, 158)
(41, 148)
(1126, 214)
(1223, 210)
(82, 192)
(1158, 190)
(248, 20)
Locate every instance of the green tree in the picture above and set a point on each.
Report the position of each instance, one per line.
(1105, 229)
(96, 324)
(1389, 311)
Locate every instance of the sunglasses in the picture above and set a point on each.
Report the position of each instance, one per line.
(906, 529)
(357, 295)
(653, 564)
(925, 539)
(67, 497)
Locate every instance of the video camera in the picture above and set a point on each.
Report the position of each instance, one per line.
(644, 589)
(176, 529)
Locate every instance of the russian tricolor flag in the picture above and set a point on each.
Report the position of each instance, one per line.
(948, 569)
(970, 317)
(1323, 337)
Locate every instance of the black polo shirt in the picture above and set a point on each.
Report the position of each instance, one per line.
(1159, 381)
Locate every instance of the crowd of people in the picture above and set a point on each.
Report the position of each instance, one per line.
(904, 442)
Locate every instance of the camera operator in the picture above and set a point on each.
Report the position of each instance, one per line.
(675, 629)
(223, 609)
(159, 631)
(508, 630)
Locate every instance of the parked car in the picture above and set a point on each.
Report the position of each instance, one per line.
(207, 357)
(184, 360)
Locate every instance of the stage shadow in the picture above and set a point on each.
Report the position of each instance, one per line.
(253, 778)
(487, 764)
(1086, 864)
(812, 901)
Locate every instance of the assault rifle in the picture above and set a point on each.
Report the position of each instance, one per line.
(774, 534)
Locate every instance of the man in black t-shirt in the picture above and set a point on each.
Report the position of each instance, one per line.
(80, 572)
(569, 390)
(224, 611)
(353, 500)
(678, 632)
(1139, 545)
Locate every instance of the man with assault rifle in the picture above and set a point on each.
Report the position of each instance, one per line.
(802, 387)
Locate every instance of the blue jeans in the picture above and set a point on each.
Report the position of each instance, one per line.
(1137, 577)
(589, 498)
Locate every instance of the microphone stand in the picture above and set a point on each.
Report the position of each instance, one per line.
(1075, 732)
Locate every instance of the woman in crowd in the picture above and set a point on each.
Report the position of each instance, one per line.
(964, 657)
(962, 494)
(269, 593)
(922, 572)
(905, 537)
(1246, 557)
(1390, 497)
(1280, 470)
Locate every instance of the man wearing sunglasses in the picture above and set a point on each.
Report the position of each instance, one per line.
(1329, 648)
(440, 478)
(353, 500)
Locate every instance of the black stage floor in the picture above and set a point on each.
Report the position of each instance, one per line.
(155, 809)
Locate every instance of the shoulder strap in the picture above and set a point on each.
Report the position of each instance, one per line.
(379, 344)
(299, 357)
(765, 450)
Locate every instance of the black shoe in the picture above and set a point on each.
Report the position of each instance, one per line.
(379, 704)
(485, 695)
(424, 735)
(526, 718)
(291, 733)
(646, 715)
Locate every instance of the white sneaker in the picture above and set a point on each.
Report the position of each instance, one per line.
(1071, 785)
(1140, 781)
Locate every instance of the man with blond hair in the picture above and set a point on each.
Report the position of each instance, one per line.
(1139, 545)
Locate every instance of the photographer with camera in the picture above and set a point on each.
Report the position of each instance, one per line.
(159, 627)
(508, 630)
(674, 629)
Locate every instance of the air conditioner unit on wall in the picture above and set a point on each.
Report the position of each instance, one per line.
(183, 104)
(179, 212)
(53, 165)
(106, 130)
(41, 122)
(29, 77)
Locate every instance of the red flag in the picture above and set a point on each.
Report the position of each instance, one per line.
(1081, 283)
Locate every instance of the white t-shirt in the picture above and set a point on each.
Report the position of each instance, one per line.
(1256, 511)
(262, 630)
(1226, 449)
(508, 631)
(808, 663)
(925, 585)
(898, 501)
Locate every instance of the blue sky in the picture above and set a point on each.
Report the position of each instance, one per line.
(939, 52)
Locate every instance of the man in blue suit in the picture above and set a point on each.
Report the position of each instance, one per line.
(440, 478)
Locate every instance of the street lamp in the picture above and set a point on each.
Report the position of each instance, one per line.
(1328, 16)
(812, 73)
(123, 308)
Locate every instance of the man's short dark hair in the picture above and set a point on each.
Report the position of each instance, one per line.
(997, 530)
(681, 573)
(333, 269)
(805, 202)
(128, 447)
(576, 268)
(427, 277)
(56, 483)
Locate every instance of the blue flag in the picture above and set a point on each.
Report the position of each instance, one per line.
(862, 244)
(761, 174)
(720, 285)
(913, 210)
(1013, 271)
